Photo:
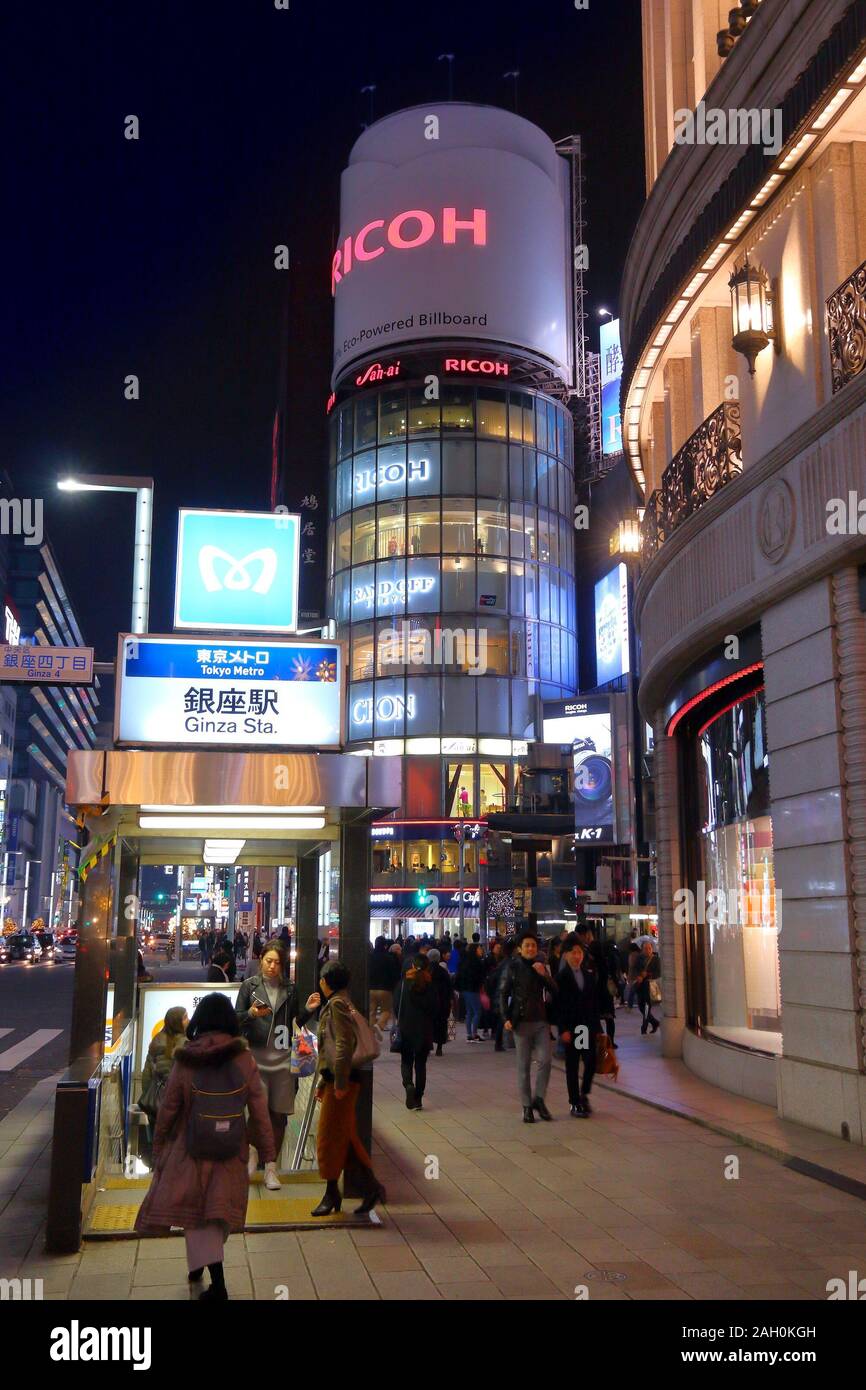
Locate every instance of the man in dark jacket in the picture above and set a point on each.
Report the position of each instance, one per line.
(579, 1021)
(384, 973)
(525, 993)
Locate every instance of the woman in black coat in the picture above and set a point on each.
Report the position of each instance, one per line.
(415, 1007)
(444, 999)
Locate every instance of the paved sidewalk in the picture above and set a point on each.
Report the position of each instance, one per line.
(633, 1203)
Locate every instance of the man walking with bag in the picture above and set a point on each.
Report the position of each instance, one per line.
(526, 994)
(579, 1021)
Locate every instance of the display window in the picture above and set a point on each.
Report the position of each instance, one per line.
(391, 541)
(364, 536)
(492, 788)
(732, 910)
(362, 651)
(492, 414)
(392, 415)
(460, 790)
(424, 532)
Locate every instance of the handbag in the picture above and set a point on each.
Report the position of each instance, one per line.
(305, 1053)
(655, 991)
(151, 1097)
(605, 1057)
(396, 1042)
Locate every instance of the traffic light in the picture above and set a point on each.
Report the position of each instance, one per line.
(160, 897)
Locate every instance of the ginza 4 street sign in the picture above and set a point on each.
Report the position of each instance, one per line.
(47, 665)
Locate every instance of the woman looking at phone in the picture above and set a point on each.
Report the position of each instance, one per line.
(267, 1006)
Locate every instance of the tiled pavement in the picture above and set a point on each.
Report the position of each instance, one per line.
(630, 1204)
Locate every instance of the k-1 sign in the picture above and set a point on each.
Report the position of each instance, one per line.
(173, 690)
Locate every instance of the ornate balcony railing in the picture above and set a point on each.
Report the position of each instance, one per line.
(709, 459)
(846, 328)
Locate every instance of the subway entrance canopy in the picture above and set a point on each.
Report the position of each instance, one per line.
(227, 749)
(158, 806)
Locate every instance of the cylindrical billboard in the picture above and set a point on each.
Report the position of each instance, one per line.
(454, 224)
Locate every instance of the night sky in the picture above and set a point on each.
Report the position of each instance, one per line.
(155, 256)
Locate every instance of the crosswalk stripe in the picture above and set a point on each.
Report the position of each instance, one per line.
(13, 1056)
(4, 1031)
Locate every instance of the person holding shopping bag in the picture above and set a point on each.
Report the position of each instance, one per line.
(267, 1006)
(346, 1046)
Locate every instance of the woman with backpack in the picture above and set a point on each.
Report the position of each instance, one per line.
(200, 1146)
(346, 1044)
(267, 1005)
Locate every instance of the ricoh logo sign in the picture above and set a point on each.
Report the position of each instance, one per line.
(237, 571)
(405, 232)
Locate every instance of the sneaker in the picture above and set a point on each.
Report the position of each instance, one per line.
(585, 1106)
(252, 1163)
(417, 1105)
(574, 1110)
(410, 1097)
(272, 1181)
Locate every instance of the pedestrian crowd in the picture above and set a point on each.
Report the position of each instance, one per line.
(218, 1088)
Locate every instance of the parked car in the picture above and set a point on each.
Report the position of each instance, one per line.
(51, 948)
(22, 945)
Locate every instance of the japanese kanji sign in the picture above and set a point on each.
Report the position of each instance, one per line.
(47, 665)
(208, 691)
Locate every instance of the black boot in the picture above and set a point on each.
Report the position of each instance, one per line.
(539, 1106)
(374, 1192)
(332, 1201)
(217, 1293)
(528, 1116)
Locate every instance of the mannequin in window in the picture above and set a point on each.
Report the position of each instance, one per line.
(464, 802)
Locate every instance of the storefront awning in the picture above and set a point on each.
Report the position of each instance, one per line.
(451, 911)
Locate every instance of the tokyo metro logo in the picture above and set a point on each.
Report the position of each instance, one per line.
(236, 575)
(237, 571)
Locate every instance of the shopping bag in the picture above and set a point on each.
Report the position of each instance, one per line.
(305, 1053)
(605, 1057)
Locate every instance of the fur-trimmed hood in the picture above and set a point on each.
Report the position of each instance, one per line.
(209, 1050)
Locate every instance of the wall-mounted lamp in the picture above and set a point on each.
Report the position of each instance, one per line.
(753, 310)
(626, 539)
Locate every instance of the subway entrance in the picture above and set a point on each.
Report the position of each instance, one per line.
(218, 819)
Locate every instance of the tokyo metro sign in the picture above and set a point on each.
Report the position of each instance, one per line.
(237, 571)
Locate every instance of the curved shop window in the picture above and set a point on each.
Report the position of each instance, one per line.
(734, 916)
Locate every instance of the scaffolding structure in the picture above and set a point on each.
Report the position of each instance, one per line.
(571, 149)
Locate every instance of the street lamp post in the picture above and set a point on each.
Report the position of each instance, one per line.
(27, 890)
(143, 489)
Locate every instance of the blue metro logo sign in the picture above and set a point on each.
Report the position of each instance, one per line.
(237, 571)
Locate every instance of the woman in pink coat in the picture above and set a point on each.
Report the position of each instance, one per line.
(207, 1197)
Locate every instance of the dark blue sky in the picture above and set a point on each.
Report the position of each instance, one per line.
(155, 257)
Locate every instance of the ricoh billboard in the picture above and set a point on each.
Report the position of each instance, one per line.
(454, 224)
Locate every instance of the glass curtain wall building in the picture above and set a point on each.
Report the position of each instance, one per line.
(451, 540)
